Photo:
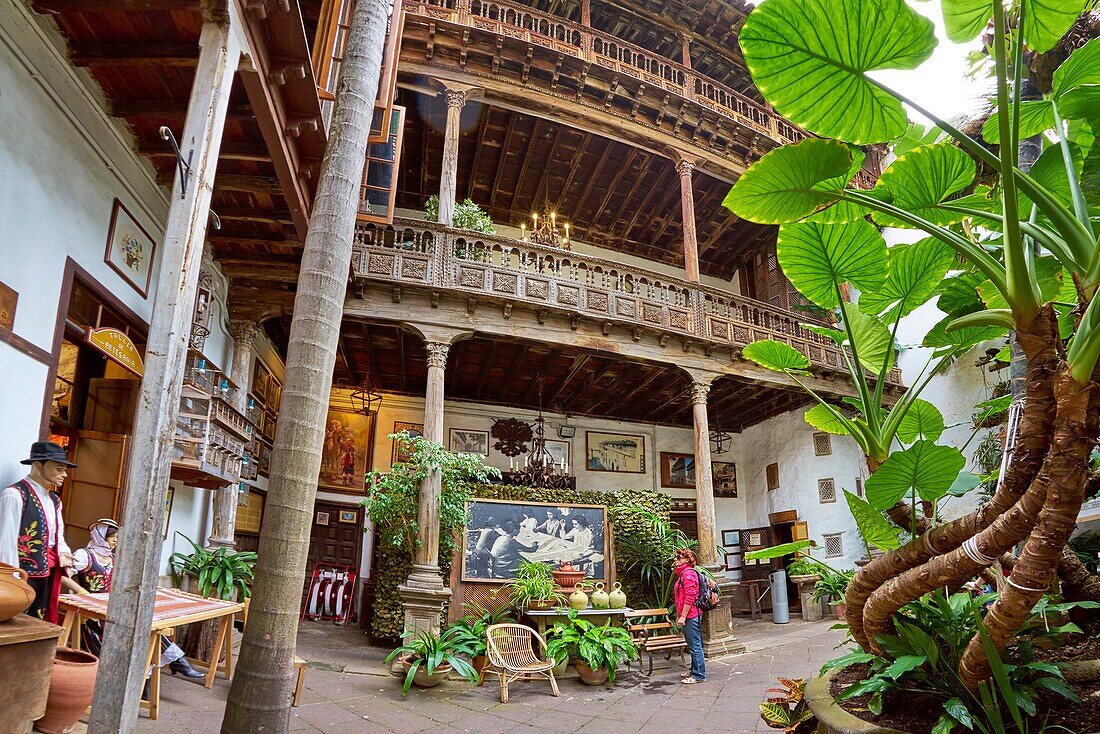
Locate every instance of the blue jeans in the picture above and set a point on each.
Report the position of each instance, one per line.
(693, 635)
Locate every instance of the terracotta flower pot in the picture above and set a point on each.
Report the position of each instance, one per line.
(71, 687)
(839, 610)
(479, 663)
(591, 677)
(422, 679)
(566, 576)
(15, 594)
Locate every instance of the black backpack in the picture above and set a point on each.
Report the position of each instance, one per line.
(708, 598)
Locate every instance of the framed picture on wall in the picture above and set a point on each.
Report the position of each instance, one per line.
(345, 455)
(733, 561)
(725, 478)
(614, 452)
(321, 518)
(400, 452)
(677, 470)
(559, 451)
(349, 516)
(730, 538)
(130, 252)
(465, 441)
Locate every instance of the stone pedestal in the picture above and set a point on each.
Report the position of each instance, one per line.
(718, 636)
(811, 611)
(423, 602)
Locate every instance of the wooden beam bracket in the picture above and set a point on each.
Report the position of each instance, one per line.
(396, 294)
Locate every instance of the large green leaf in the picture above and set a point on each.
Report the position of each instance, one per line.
(1049, 171)
(776, 356)
(1046, 21)
(923, 178)
(1082, 102)
(1051, 277)
(873, 342)
(1082, 67)
(815, 257)
(1090, 176)
(1036, 115)
(872, 525)
(823, 419)
(959, 295)
(778, 551)
(809, 59)
(965, 19)
(913, 274)
(967, 337)
(922, 420)
(793, 181)
(924, 466)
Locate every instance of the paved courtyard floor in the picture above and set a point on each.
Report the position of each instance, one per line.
(347, 689)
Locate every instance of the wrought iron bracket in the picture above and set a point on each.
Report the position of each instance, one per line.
(184, 166)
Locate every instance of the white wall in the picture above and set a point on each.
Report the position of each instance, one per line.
(192, 516)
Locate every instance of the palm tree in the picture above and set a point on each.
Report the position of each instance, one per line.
(259, 699)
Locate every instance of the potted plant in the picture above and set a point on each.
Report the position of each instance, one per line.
(470, 632)
(533, 588)
(598, 649)
(805, 574)
(429, 658)
(833, 586)
(220, 573)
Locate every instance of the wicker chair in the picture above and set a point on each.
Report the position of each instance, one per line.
(512, 657)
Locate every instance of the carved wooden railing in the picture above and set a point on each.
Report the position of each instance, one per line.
(416, 252)
(514, 20)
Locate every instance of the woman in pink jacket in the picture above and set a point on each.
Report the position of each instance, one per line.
(689, 616)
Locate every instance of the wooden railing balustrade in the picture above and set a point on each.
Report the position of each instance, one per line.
(416, 252)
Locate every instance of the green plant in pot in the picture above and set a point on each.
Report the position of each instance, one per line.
(221, 573)
(533, 588)
(598, 649)
(470, 632)
(833, 585)
(429, 658)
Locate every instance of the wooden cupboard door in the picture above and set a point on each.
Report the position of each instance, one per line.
(110, 406)
(94, 489)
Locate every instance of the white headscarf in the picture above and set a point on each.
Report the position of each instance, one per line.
(98, 543)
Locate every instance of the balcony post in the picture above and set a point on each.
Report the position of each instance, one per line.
(718, 638)
(448, 176)
(225, 499)
(129, 614)
(685, 168)
(685, 49)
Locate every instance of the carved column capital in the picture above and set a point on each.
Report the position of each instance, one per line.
(699, 393)
(456, 99)
(437, 354)
(244, 333)
(685, 168)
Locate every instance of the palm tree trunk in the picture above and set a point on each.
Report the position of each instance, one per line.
(259, 699)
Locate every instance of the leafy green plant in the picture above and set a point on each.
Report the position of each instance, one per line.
(470, 630)
(597, 646)
(786, 707)
(533, 583)
(1087, 547)
(435, 653)
(649, 551)
(218, 573)
(467, 215)
(832, 585)
(803, 567)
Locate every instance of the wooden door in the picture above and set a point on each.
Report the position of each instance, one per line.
(755, 539)
(94, 488)
(688, 522)
(332, 539)
(110, 406)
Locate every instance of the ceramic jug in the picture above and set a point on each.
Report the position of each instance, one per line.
(15, 594)
(599, 597)
(578, 599)
(617, 597)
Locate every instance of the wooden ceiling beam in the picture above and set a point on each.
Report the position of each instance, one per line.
(250, 214)
(230, 151)
(270, 273)
(546, 364)
(513, 370)
(115, 6)
(626, 167)
(628, 388)
(344, 358)
(485, 367)
(114, 55)
(508, 133)
(527, 165)
(594, 174)
(676, 395)
(593, 379)
(129, 108)
(372, 361)
(579, 362)
(478, 148)
(404, 373)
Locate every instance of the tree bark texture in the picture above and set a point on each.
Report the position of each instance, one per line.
(259, 699)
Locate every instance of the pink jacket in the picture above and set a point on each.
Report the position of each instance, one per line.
(687, 591)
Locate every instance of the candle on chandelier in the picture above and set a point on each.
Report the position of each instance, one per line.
(523, 231)
(553, 219)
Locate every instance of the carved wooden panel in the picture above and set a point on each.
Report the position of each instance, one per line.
(505, 283)
(538, 289)
(469, 277)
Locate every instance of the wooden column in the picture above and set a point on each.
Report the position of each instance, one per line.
(586, 13)
(685, 49)
(225, 499)
(137, 562)
(704, 479)
(448, 175)
(687, 207)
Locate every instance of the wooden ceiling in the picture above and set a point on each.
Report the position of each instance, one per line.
(612, 194)
(573, 381)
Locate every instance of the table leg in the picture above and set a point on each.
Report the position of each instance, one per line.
(215, 656)
(152, 660)
(229, 647)
(67, 624)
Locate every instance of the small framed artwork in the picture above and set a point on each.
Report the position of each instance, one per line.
(321, 518)
(168, 497)
(349, 516)
(725, 478)
(614, 452)
(464, 441)
(730, 538)
(400, 452)
(733, 561)
(559, 452)
(677, 470)
(130, 250)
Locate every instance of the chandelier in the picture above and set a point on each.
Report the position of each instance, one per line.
(538, 468)
(719, 440)
(365, 399)
(544, 230)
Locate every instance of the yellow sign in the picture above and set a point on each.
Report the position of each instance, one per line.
(117, 347)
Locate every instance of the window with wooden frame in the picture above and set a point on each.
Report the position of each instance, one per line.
(823, 444)
(379, 188)
(771, 474)
(826, 491)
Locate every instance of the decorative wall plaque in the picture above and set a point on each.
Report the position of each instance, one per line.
(512, 436)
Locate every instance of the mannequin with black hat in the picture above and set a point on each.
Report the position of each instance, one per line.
(32, 532)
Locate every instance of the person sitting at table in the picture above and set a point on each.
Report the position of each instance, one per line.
(506, 551)
(583, 538)
(551, 525)
(93, 566)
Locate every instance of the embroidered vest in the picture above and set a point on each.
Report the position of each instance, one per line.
(34, 532)
(96, 577)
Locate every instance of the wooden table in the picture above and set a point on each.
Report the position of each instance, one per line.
(171, 608)
(27, 647)
(544, 619)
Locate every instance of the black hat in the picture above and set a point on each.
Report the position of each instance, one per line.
(47, 451)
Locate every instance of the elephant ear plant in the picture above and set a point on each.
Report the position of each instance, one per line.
(1019, 255)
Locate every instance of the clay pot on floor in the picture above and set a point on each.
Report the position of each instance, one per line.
(15, 594)
(71, 686)
(422, 679)
(591, 677)
(839, 610)
(479, 663)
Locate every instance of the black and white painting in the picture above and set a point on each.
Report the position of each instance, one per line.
(502, 534)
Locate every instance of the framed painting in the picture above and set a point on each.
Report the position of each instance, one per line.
(401, 453)
(725, 479)
(559, 452)
(502, 534)
(465, 441)
(321, 518)
(677, 470)
(614, 452)
(733, 561)
(345, 455)
(349, 516)
(731, 538)
(130, 250)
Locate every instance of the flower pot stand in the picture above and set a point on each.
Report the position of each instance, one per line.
(811, 612)
(27, 648)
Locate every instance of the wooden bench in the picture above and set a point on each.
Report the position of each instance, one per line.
(653, 633)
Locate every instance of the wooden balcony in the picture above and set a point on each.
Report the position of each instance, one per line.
(493, 268)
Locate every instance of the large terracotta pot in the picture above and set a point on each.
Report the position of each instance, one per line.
(479, 663)
(591, 677)
(71, 687)
(422, 679)
(566, 576)
(15, 594)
